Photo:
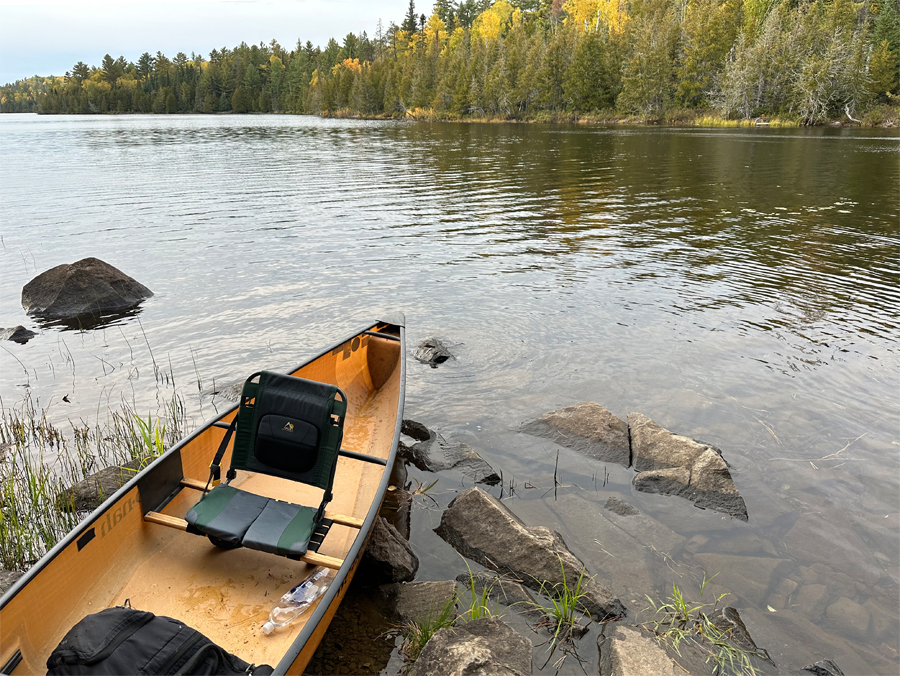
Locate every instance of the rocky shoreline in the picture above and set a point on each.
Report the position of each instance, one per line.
(499, 623)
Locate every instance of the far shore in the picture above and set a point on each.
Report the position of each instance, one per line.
(883, 117)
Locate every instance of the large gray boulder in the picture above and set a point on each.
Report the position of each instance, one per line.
(86, 287)
(388, 557)
(481, 528)
(485, 647)
(671, 464)
(588, 428)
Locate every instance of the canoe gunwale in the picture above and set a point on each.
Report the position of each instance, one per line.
(349, 560)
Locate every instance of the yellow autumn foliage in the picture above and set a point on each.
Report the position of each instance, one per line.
(590, 15)
(495, 20)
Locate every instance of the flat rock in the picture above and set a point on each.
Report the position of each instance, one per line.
(625, 651)
(671, 464)
(8, 578)
(654, 447)
(416, 601)
(481, 528)
(87, 287)
(388, 556)
(485, 647)
(90, 492)
(433, 352)
(588, 428)
(17, 334)
(499, 589)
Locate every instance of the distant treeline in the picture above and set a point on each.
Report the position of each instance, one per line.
(809, 61)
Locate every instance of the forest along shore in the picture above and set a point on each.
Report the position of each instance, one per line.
(701, 62)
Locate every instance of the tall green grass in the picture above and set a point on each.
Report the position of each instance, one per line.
(42, 460)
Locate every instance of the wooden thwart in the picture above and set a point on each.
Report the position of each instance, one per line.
(311, 558)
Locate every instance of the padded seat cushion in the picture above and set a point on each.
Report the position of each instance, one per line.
(256, 522)
(282, 528)
(226, 513)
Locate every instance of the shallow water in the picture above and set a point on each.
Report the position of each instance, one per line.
(737, 286)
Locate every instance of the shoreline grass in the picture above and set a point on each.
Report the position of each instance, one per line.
(42, 460)
(885, 116)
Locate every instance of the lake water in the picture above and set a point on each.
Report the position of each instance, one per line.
(737, 286)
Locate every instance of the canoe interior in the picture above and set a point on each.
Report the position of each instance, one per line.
(226, 595)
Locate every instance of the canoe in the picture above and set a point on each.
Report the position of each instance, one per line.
(134, 546)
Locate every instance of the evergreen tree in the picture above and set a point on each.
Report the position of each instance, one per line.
(411, 20)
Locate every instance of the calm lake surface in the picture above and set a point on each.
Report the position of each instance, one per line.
(737, 286)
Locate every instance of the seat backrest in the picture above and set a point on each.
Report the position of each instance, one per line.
(289, 427)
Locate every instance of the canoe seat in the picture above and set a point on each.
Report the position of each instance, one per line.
(248, 520)
(286, 427)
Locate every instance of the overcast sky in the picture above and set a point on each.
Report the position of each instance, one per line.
(41, 37)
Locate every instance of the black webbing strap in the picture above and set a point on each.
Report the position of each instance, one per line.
(320, 513)
(215, 472)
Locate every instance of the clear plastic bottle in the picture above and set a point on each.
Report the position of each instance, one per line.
(295, 602)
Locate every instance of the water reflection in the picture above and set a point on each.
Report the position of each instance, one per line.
(88, 321)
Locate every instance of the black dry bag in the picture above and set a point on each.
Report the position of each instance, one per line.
(120, 640)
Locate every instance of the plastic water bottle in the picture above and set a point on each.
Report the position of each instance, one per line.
(295, 602)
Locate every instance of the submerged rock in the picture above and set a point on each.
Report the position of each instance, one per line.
(671, 464)
(455, 456)
(481, 528)
(17, 334)
(87, 287)
(620, 507)
(587, 428)
(432, 351)
(388, 556)
(821, 668)
(484, 647)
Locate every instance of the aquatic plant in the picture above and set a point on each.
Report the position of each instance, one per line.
(675, 620)
(417, 633)
(565, 609)
(478, 601)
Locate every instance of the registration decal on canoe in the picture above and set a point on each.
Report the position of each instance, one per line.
(114, 516)
(350, 346)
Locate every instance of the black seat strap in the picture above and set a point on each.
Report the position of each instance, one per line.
(215, 472)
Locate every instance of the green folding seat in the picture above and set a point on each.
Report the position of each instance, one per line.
(286, 427)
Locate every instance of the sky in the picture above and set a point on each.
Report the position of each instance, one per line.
(42, 37)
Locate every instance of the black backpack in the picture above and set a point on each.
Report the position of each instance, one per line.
(123, 640)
